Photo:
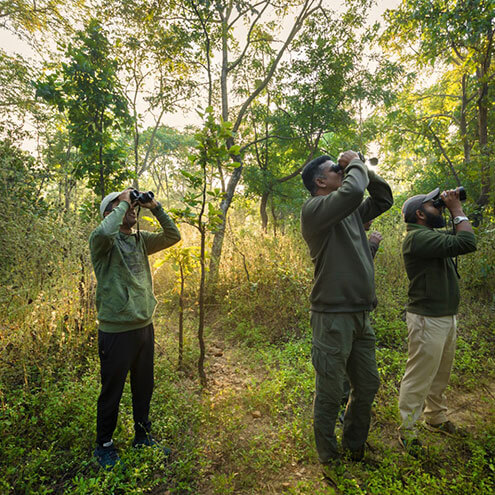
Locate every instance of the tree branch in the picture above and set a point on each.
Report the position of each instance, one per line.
(305, 12)
(248, 40)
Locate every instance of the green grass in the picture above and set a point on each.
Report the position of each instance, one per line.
(250, 432)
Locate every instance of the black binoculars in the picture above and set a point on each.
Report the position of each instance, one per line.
(335, 167)
(141, 197)
(438, 203)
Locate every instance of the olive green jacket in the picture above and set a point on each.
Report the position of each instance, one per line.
(332, 226)
(124, 294)
(433, 284)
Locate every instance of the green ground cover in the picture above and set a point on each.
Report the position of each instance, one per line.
(250, 431)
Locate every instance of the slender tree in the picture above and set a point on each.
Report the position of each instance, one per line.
(455, 37)
(87, 90)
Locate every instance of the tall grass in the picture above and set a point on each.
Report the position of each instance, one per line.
(49, 366)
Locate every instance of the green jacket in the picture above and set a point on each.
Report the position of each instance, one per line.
(433, 284)
(124, 294)
(332, 226)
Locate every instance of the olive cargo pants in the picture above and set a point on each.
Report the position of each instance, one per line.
(343, 344)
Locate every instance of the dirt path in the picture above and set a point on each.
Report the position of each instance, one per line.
(229, 381)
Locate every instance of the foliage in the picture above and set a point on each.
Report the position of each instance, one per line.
(16, 98)
(185, 261)
(86, 88)
(447, 119)
(199, 210)
(307, 111)
(158, 68)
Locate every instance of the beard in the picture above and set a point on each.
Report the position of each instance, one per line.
(434, 221)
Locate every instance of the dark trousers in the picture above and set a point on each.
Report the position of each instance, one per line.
(343, 345)
(120, 353)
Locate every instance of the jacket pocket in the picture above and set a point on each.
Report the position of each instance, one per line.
(140, 305)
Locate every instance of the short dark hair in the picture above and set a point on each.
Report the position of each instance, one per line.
(312, 171)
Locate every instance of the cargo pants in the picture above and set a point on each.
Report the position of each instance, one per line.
(343, 345)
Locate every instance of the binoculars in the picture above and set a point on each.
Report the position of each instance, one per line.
(141, 197)
(438, 203)
(335, 167)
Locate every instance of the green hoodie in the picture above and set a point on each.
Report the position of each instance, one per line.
(124, 295)
(433, 285)
(332, 226)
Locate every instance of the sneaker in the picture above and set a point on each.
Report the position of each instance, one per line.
(149, 441)
(411, 445)
(447, 428)
(107, 457)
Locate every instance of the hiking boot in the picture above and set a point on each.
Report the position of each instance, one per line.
(411, 445)
(446, 428)
(149, 441)
(107, 457)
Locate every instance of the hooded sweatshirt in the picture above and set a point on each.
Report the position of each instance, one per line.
(124, 294)
(332, 226)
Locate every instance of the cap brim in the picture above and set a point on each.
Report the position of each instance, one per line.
(432, 195)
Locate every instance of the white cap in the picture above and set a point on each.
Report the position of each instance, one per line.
(107, 200)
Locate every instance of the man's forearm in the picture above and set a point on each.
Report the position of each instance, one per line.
(169, 236)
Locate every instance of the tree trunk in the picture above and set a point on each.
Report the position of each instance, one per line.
(201, 325)
(263, 213)
(483, 143)
(67, 190)
(307, 9)
(181, 317)
(216, 249)
(463, 123)
(102, 176)
(274, 215)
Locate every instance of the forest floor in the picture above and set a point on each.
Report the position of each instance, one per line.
(241, 465)
(249, 432)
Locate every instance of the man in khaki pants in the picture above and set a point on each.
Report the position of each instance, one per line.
(433, 301)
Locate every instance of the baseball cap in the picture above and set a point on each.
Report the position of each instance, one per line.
(107, 200)
(412, 204)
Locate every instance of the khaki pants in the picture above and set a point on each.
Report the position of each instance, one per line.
(431, 345)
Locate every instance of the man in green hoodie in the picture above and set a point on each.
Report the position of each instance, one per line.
(343, 294)
(431, 311)
(125, 304)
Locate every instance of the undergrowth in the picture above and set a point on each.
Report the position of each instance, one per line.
(251, 430)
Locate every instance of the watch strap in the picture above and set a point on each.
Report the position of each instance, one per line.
(460, 219)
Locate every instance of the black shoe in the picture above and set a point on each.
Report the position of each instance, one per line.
(149, 441)
(446, 428)
(107, 457)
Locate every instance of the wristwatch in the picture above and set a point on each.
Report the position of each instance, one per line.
(458, 220)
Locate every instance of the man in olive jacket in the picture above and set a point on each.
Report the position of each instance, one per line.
(125, 304)
(433, 301)
(342, 296)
